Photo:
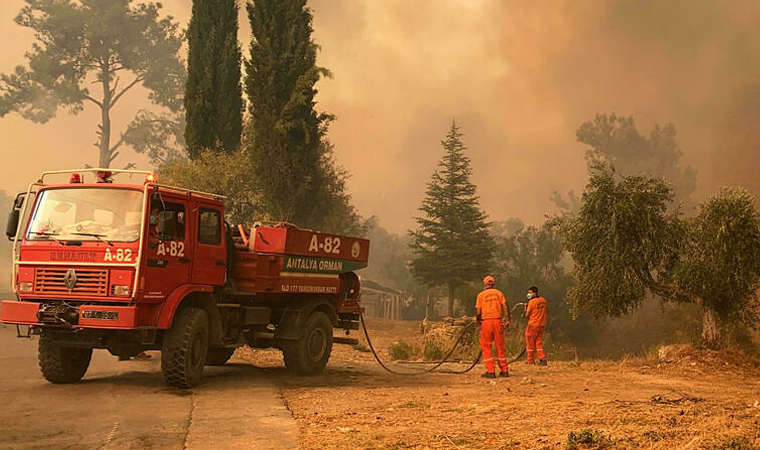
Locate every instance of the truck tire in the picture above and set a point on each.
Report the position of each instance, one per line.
(183, 353)
(218, 356)
(309, 354)
(61, 364)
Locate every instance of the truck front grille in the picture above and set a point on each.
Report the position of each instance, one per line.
(51, 280)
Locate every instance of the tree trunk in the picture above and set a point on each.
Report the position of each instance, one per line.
(104, 146)
(427, 305)
(710, 330)
(451, 301)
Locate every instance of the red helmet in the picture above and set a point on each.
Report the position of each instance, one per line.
(489, 281)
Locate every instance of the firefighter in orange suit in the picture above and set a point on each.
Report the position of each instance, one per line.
(535, 311)
(493, 315)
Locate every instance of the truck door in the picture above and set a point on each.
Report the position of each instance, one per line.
(168, 258)
(210, 262)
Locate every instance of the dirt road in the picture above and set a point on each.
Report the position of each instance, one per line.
(124, 405)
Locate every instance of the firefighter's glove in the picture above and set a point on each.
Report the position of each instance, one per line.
(479, 318)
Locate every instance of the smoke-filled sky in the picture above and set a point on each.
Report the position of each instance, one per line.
(519, 77)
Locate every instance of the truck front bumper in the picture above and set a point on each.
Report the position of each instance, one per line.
(88, 316)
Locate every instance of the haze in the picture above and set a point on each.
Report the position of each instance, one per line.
(519, 77)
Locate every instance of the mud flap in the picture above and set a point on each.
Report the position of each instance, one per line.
(289, 326)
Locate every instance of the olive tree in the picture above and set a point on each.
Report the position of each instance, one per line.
(628, 241)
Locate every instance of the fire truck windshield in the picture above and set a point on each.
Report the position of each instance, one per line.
(87, 214)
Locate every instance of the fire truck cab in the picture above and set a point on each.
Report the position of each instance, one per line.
(136, 265)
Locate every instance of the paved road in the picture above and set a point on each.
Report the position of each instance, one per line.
(124, 405)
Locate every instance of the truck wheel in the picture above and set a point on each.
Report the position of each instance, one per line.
(61, 364)
(183, 353)
(309, 354)
(218, 356)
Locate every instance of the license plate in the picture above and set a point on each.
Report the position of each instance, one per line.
(100, 315)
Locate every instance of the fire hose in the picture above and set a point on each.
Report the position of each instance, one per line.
(438, 363)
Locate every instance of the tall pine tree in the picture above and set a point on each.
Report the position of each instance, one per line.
(452, 245)
(291, 160)
(213, 95)
(93, 53)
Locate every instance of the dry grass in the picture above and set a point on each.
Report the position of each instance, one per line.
(705, 401)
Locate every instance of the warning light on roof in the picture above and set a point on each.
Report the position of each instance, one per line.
(151, 178)
(104, 176)
(75, 178)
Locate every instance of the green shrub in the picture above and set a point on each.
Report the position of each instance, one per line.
(400, 350)
(587, 438)
(433, 352)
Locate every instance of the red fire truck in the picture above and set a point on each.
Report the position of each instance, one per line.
(135, 265)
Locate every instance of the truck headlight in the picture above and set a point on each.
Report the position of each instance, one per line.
(121, 290)
(25, 286)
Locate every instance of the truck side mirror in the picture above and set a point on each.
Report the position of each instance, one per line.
(11, 227)
(167, 225)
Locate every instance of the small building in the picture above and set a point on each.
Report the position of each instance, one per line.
(381, 301)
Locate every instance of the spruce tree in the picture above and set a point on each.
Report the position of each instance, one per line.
(290, 158)
(452, 245)
(213, 95)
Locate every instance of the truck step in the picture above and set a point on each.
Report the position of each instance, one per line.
(345, 340)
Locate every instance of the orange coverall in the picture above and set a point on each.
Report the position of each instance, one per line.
(536, 314)
(490, 303)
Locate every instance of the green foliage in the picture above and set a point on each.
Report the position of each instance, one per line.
(588, 438)
(117, 44)
(157, 135)
(531, 257)
(401, 350)
(615, 141)
(330, 208)
(534, 257)
(621, 234)
(432, 352)
(720, 256)
(296, 174)
(220, 173)
(213, 94)
(625, 244)
(452, 245)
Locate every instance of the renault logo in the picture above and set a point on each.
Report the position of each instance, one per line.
(70, 279)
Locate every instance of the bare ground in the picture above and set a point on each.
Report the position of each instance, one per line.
(689, 400)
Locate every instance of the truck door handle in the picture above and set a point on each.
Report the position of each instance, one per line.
(220, 263)
(184, 260)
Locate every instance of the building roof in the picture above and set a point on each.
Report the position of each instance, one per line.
(373, 286)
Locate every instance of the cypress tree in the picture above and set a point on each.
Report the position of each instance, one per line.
(452, 245)
(213, 95)
(290, 158)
